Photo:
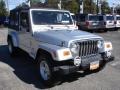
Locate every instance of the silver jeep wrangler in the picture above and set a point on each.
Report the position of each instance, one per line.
(52, 39)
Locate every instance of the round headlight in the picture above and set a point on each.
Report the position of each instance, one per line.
(99, 44)
(74, 48)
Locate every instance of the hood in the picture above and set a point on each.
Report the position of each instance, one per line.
(57, 37)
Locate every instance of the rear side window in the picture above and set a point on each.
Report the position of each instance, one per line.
(14, 20)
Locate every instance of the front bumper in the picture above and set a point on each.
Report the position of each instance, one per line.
(117, 26)
(110, 26)
(85, 64)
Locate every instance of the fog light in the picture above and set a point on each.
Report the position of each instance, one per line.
(108, 53)
(77, 61)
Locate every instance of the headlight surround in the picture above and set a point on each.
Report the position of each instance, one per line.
(100, 44)
(74, 47)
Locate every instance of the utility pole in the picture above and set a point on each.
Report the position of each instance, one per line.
(113, 8)
(29, 3)
(100, 2)
(90, 11)
(60, 4)
(7, 5)
(97, 7)
(81, 6)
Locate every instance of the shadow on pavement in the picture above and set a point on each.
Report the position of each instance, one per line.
(25, 69)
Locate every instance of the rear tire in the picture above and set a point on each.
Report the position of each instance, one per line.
(12, 49)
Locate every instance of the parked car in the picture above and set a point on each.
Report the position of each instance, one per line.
(6, 21)
(117, 21)
(2, 19)
(89, 22)
(109, 21)
(102, 23)
(50, 37)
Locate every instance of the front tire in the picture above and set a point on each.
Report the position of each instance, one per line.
(45, 70)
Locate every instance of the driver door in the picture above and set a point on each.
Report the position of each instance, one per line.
(24, 32)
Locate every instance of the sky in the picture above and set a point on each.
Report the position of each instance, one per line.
(116, 2)
(14, 3)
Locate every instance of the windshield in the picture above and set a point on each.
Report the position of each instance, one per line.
(93, 18)
(109, 17)
(118, 18)
(51, 17)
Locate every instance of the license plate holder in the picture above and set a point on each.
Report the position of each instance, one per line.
(94, 65)
(94, 24)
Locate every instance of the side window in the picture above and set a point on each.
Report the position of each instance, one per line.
(24, 22)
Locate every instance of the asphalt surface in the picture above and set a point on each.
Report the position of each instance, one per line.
(20, 73)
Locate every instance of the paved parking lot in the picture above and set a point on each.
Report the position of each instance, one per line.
(20, 73)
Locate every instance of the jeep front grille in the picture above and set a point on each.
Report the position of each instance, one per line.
(88, 48)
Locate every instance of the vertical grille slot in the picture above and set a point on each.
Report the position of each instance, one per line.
(88, 48)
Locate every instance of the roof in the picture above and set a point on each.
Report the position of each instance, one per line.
(117, 15)
(109, 15)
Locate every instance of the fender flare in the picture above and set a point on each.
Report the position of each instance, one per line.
(54, 51)
(14, 37)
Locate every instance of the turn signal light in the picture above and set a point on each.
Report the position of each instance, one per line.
(66, 53)
(87, 23)
(108, 46)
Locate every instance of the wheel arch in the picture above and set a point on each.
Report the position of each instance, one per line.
(14, 39)
(42, 51)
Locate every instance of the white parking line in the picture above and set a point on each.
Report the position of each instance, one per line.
(116, 63)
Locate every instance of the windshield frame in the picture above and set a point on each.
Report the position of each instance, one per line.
(56, 11)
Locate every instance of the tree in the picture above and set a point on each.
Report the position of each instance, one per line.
(105, 7)
(49, 3)
(89, 6)
(117, 8)
(72, 6)
(52, 3)
(3, 11)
